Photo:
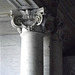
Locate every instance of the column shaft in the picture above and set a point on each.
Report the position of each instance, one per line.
(47, 38)
(56, 55)
(31, 53)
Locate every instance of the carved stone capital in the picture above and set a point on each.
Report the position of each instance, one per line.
(30, 19)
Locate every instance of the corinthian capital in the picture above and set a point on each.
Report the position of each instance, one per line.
(30, 19)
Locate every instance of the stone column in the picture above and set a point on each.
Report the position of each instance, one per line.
(31, 26)
(56, 55)
(46, 49)
(31, 53)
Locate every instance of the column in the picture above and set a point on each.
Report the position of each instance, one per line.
(46, 48)
(30, 24)
(56, 55)
(31, 53)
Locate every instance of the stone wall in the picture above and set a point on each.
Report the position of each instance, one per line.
(10, 54)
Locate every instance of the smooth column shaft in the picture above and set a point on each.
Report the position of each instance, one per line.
(31, 53)
(46, 48)
(56, 56)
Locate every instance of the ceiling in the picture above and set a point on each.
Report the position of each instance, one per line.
(5, 6)
(5, 25)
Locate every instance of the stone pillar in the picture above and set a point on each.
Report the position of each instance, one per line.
(31, 25)
(31, 53)
(46, 49)
(56, 55)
